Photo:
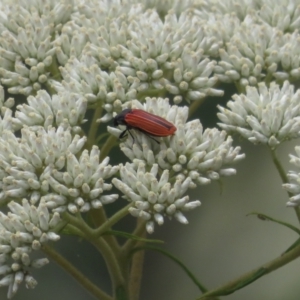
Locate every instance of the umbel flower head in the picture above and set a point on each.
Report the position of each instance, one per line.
(264, 115)
(153, 196)
(23, 231)
(161, 173)
(118, 62)
(293, 187)
(201, 155)
(26, 46)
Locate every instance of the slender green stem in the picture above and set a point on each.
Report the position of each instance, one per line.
(194, 106)
(109, 256)
(130, 243)
(255, 274)
(112, 220)
(105, 149)
(283, 176)
(94, 127)
(136, 269)
(240, 88)
(76, 274)
(265, 217)
(201, 287)
(99, 218)
(278, 166)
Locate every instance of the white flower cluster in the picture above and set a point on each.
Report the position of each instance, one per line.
(85, 77)
(23, 231)
(239, 8)
(264, 115)
(153, 195)
(189, 153)
(5, 111)
(293, 187)
(249, 55)
(288, 57)
(283, 14)
(26, 42)
(82, 185)
(25, 162)
(44, 110)
(99, 25)
(119, 61)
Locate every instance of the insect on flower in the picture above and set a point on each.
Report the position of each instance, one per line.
(145, 122)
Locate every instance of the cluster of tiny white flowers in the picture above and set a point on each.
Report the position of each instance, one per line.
(239, 8)
(250, 54)
(5, 111)
(190, 152)
(153, 195)
(25, 42)
(98, 27)
(36, 152)
(293, 187)
(44, 110)
(221, 27)
(85, 78)
(82, 185)
(288, 57)
(119, 61)
(264, 115)
(24, 230)
(283, 14)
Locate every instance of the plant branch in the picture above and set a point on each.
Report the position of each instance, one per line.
(255, 274)
(109, 256)
(94, 127)
(105, 149)
(76, 274)
(112, 220)
(283, 176)
(136, 270)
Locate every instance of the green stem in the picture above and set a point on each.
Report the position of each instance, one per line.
(112, 220)
(255, 274)
(194, 106)
(130, 243)
(105, 149)
(278, 166)
(201, 287)
(109, 256)
(136, 269)
(81, 279)
(283, 176)
(94, 127)
(99, 218)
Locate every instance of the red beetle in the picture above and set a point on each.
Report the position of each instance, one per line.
(145, 122)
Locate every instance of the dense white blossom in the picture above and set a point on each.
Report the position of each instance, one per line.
(264, 115)
(293, 187)
(26, 162)
(153, 195)
(44, 110)
(82, 185)
(119, 61)
(26, 48)
(23, 231)
(191, 152)
(283, 14)
(85, 78)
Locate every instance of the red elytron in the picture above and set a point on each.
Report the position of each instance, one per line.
(145, 122)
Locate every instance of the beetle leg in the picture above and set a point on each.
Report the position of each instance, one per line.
(123, 134)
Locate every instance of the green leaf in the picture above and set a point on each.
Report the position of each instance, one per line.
(177, 261)
(131, 236)
(265, 217)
